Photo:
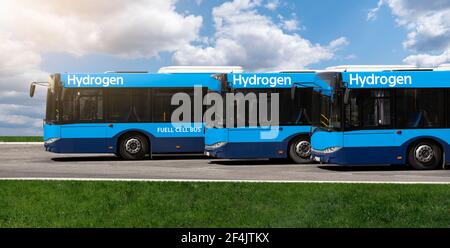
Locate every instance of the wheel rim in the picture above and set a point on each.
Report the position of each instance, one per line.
(303, 149)
(424, 153)
(133, 146)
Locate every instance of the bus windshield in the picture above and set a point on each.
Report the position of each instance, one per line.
(51, 115)
(331, 102)
(330, 114)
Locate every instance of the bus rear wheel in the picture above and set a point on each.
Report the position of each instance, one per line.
(133, 147)
(300, 150)
(425, 155)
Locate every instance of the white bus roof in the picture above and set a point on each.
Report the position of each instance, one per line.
(443, 67)
(379, 68)
(349, 68)
(297, 71)
(201, 69)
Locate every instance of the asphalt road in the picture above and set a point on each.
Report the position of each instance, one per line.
(31, 161)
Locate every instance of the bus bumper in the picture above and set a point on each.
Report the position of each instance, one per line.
(80, 145)
(247, 150)
(328, 158)
(361, 156)
(214, 151)
(52, 145)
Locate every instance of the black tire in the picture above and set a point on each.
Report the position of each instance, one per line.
(425, 155)
(118, 154)
(300, 150)
(133, 146)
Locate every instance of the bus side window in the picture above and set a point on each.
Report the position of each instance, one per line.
(89, 105)
(140, 102)
(416, 108)
(119, 104)
(68, 105)
(352, 110)
(162, 108)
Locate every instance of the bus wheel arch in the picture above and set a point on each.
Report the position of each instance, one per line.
(299, 149)
(425, 154)
(133, 145)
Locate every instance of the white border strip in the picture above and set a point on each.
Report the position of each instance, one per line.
(206, 180)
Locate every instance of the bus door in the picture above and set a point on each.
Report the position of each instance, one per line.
(83, 109)
(368, 118)
(127, 109)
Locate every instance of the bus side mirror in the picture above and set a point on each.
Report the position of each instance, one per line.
(223, 78)
(32, 89)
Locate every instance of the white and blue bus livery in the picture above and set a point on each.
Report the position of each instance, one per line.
(125, 113)
(299, 103)
(391, 115)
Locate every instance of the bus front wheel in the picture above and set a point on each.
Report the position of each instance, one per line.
(300, 150)
(425, 155)
(133, 147)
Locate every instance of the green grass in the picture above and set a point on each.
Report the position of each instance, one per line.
(21, 139)
(153, 204)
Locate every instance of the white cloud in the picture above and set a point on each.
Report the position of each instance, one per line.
(246, 37)
(338, 43)
(428, 25)
(9, 94)
(290, 25)
(29, 29)
(350, 57)
(272, 4)
(372, 15)
(19, 66)
(12, 131)
(428, 59)
(20, 116)
(20, 120)
(140, 28)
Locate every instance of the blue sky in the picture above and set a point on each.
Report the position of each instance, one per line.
(370, 42)
(261, 35)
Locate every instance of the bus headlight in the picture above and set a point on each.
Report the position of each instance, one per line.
(50, 141)
(332, 149)
(215, 145)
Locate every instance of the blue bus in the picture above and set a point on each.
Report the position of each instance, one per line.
(299, 103)
(125, 113)
(391, 115)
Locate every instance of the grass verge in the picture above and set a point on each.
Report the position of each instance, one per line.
(171, 204)
(21, 139)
